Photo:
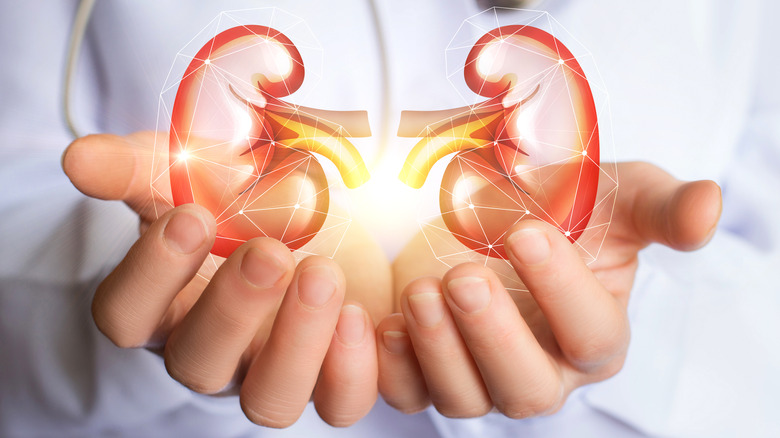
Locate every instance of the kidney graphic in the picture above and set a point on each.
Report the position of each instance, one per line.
(531, 150)
(246, 155)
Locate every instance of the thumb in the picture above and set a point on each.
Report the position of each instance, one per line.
(111, 167)
(663, 209)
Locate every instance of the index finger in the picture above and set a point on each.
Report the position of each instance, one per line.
(589, 324)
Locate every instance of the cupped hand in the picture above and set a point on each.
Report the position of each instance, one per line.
(277, 333)
(468, 346)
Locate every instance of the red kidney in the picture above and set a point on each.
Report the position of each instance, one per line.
(530, 151)
(244, 154)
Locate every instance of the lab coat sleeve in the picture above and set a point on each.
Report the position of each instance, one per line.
(703, 359)
(58, 375)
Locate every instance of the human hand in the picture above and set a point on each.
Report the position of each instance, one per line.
(465, 344)
(256, 320)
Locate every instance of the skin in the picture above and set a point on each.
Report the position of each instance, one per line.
(278, 334)
(282, 335)
(464, 344)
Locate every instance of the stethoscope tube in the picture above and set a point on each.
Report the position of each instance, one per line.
(83, 14)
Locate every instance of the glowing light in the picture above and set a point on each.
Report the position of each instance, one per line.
(464, 188)
(543, 117)
(242, 123)
(526, 122)
(488, 62)
(523, 168)
(218, 113)
(278, 60)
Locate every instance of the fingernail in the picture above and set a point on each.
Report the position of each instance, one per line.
(427, 308)
(529, 246)
(396, 342)
(352, 325)
(316, 285)
(260, 269)
(470, 294)
(185, 232)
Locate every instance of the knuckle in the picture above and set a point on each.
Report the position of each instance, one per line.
(599, 350)
(232, 323)
(548, 401)
(112, 323)
(543, 402)
(611, 368)
(407, 399)
(496, 345)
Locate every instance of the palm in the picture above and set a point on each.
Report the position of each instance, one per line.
(121, 168)
(571, 328)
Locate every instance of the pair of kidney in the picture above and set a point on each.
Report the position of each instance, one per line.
(531, 150)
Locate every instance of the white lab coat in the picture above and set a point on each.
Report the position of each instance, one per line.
(693, 89)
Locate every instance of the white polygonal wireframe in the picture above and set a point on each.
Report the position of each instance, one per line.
(338, 219)
(444, 246)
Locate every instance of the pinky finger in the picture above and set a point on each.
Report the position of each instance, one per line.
(401, 381)
(347, 389)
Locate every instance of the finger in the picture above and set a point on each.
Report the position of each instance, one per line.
(370, 278)
(417, 259)
(347, 387)
(130, 303)
(451, 376)
(660, 208)
(111, 167)
(589, 324)
(519, 374)
(279, 383)
(204, 350)
(401, 381)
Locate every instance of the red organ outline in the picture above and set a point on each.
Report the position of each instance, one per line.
(530, 151)
(246, 155)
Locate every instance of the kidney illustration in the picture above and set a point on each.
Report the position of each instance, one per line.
(246, 155)
(531, 150)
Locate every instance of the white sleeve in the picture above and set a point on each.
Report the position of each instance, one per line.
(704, 359)
(58, 375)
